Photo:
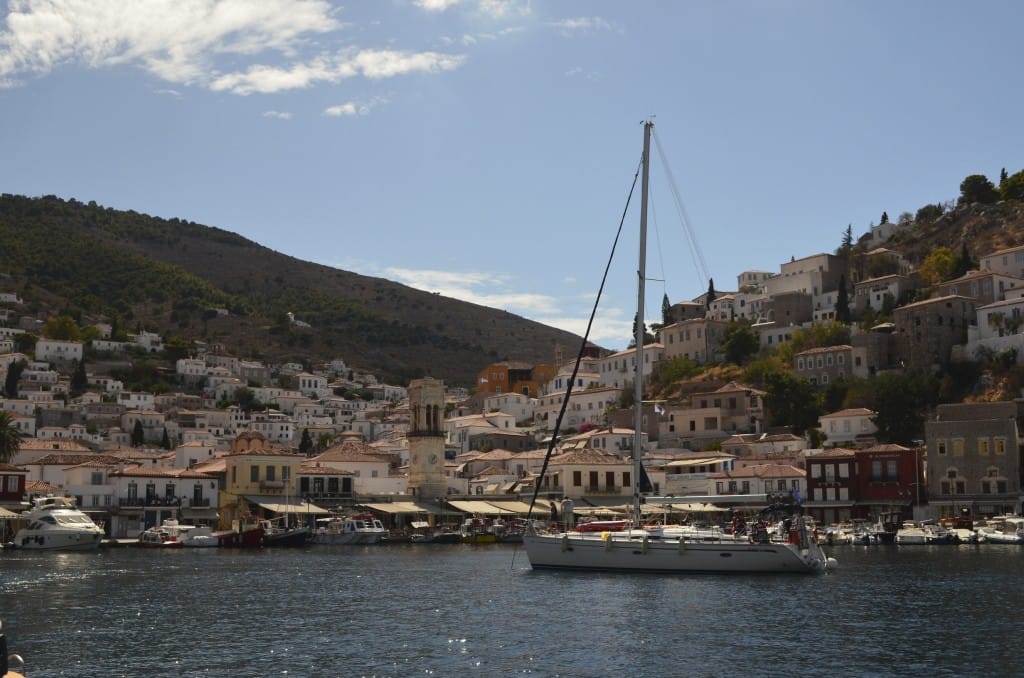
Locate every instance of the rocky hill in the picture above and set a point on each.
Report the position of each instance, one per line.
(167, 275)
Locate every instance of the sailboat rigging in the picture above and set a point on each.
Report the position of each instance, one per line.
(638, 549)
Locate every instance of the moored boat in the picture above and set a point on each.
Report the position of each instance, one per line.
(54, 523)
(278, 532)
(634, 549)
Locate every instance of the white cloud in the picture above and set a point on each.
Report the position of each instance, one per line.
(435, 5)
(466, 286)
(280, 115)
(173, 39)
(581, 25)
(342, 110)
(354, 108)
(503, 8)
(188, 41)
(370, 63)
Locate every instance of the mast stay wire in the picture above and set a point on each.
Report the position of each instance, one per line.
(699, 263)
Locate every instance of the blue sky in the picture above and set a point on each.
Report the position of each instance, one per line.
(484, 149)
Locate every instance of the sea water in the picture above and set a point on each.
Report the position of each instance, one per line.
(457, 610)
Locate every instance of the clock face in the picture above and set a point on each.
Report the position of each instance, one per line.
(433, 459)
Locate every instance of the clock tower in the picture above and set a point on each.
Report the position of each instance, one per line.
(426, 439)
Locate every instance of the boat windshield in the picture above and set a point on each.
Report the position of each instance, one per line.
(72, 519)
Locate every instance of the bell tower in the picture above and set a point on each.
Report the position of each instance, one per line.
(426, 439)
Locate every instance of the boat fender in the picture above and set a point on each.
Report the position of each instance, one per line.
(606, 537)
(682, 545)
(645, 545)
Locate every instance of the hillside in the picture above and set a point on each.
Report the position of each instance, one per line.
(166, 275)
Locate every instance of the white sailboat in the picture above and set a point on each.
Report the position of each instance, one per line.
(638, 550)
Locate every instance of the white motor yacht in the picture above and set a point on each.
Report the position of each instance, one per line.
(55, 524)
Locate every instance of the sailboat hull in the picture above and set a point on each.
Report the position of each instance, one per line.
(635, 554)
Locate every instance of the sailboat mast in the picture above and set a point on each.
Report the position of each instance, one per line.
(638, 369)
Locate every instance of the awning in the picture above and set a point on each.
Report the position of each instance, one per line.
(481, 507)
(6, 515)
(401, 507)
(521, 507)
(692, 507)
(699, 462)
(277, 506)
(419, 524)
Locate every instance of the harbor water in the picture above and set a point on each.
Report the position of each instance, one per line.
(415, 610)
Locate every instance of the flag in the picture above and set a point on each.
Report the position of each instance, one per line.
(659, 409)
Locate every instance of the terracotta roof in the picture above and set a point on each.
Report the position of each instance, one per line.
(60, 445)
(762, 471)
(316, 469)
(850, 412)
(586, 457)
(140, 472)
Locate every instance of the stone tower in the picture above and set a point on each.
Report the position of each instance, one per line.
(426, 439)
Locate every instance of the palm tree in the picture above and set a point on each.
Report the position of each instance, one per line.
(10, 437)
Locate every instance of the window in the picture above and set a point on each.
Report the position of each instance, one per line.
(577, 478)
(1000, 445)
(830, 473)
(983, 446)
(891, 470)
(286, 473)
(254, 473)
(958, 447)
(941, 448)
(97, 477)
(876, 471)
(1001, 486)
(746, 487)
(271, 473)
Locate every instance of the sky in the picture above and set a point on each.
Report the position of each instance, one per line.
(485, 149)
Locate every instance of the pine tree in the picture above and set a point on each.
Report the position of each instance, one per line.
(79, 379)
(138, 434)
(711, 292)
(848, 237)
(842, 302)
(666, 311)
(306, 444)
(885, 218)
(165, 440)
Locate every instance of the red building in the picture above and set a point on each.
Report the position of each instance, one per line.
(844, 485)
(12, 496)
(889, 477)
